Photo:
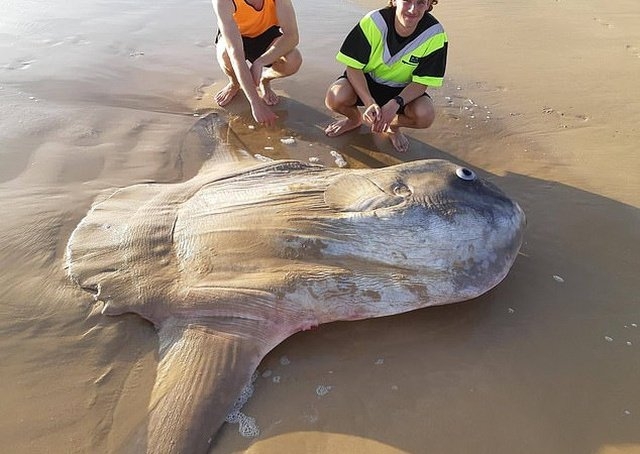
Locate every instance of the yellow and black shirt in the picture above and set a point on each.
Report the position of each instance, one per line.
(390, 59)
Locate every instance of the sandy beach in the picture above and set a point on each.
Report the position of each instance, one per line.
(540, 98)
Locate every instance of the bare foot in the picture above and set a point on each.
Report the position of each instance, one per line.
(268, 95)
(398, 140)
(341, 126)
(224, 96)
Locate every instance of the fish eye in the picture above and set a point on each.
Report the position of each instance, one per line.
(465, 174)
(401, 189)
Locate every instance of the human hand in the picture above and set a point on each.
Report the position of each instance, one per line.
(263, 114)
(386, 116)
(371, 114)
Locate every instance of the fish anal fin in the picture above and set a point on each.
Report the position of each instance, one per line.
(201, 373)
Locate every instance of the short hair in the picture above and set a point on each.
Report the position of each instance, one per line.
(433, 3)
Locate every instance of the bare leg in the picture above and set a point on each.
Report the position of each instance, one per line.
(285, 66)
(398, 140)
(224, 96)
(341, 98)
(418, 114)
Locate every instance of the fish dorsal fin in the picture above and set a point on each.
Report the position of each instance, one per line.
(213, 135)
(201, 372)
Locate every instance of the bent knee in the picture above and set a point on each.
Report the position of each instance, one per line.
(339, 95)
(421, 112)
(331, 98)
(290, 63)
(294, 58)
(426, 121)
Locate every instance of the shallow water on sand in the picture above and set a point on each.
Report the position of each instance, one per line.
(96, 95)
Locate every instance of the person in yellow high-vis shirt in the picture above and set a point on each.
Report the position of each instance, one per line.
(264, 32)
(392, 55)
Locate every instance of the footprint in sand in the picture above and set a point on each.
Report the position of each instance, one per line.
(635, 51)
(602, 22)
(576, 119)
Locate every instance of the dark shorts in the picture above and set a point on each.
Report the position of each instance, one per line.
(382, 94)
(255, 47)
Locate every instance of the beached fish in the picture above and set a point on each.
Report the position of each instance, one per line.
(233, 261)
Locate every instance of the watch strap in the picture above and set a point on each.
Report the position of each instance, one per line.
(399, 100)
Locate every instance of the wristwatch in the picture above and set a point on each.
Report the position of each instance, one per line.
(399, 100)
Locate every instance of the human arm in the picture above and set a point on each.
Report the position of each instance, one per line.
(388, 112)
(283, 44)
(231, 38)
(355, 54)
(358, 81)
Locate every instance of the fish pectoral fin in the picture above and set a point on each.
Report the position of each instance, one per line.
(201, 373)
(357, 193)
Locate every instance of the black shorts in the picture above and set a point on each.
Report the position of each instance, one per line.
(255, 47)
(381, 93)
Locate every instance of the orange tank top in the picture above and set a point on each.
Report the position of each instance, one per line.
(252, 23)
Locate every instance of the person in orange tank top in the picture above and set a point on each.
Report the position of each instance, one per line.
(265, 33)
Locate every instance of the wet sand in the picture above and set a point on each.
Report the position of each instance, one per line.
(540, 98)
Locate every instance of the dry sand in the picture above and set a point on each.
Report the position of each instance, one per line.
(541, 97)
